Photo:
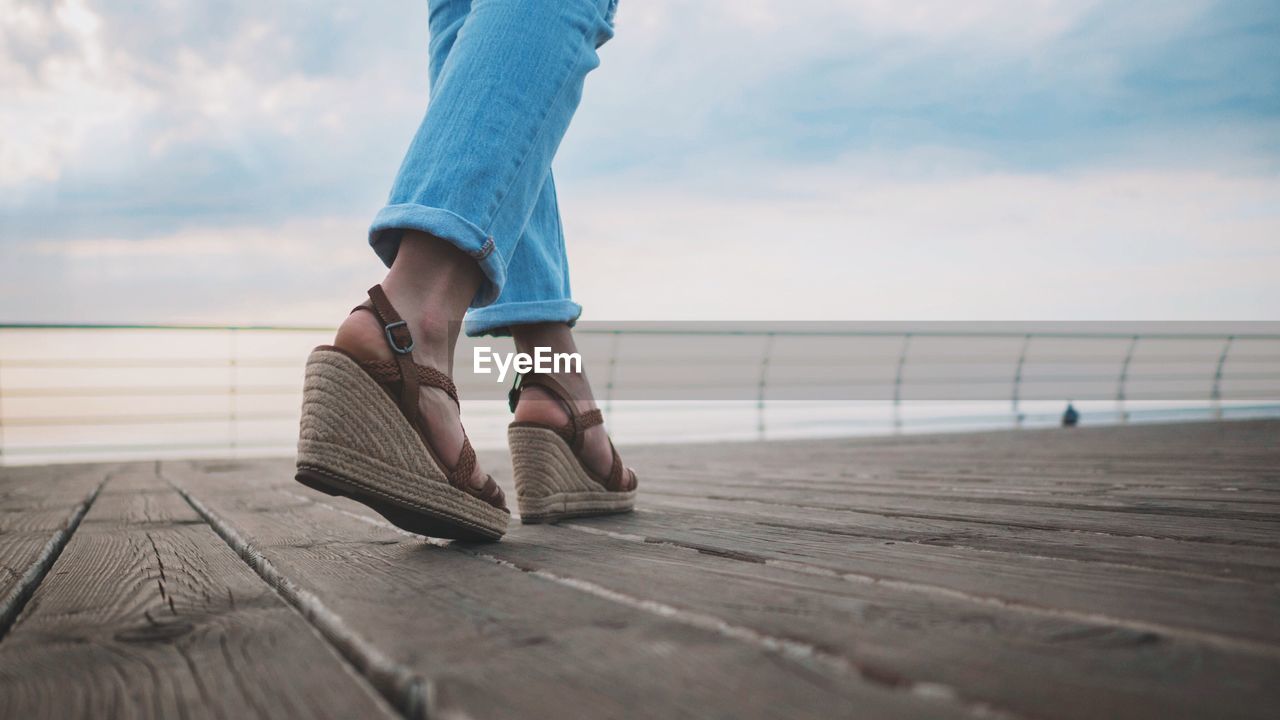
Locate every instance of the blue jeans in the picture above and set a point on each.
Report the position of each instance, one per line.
(506, 78)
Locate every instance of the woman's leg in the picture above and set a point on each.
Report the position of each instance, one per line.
(503, 98)
(506, 78)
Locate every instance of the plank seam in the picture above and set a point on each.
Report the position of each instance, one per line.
(789, 649)
(15, 602)
(1200, 636)
(1191, 574)
(409, 693)
(1001, 497)
(958, 518)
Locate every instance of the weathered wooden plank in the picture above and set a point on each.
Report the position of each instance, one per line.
(964, 481)
(1230, 671)
(852, 459)
(982, 651)
(988, 651)
(1115, 495)
(1226, 531)
(985, 651)
(39, 499)
(39, 509)
(161, 508)
(1024, 573)
(1070, 474)
(490, 640)
(1155, 454)
(162, 619)
(1126, 593)
(140, 497)
(1253, 564)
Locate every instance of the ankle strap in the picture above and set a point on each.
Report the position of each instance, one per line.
(394, 327)
(578, 423)
(401, 342)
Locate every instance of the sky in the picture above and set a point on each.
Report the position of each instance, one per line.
(186, 161)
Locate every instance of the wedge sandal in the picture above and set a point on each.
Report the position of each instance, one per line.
(363, 436)
(552, 481)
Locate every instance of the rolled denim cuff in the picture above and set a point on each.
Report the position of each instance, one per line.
(496, 320)
(390, 223)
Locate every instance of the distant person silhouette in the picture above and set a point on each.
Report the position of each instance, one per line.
(1071, 417)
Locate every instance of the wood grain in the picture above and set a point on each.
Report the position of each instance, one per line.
(1123, 592)
(160, 619)
(39, 509)
(491, 640)
(1098, 572)
(988, 652)
(1214, 559)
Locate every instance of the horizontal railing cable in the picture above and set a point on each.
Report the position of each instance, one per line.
(246, 385)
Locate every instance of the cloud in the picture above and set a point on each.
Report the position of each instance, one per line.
(839, 243)
(834, 242)
(55, 59)
(307, 270)
(145, 122)
(915, 158)
(1030, 84)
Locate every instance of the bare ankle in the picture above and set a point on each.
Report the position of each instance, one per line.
(363, 335)
(540, 407)
(431, 284)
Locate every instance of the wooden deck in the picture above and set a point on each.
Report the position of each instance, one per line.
(1098, 572)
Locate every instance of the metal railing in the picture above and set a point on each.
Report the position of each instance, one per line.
(94, 390)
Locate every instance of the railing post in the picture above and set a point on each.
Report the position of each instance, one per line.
(1124, 379)
(897, 384)
(1215, 394)
(762, 384)
(1017, 380)
(233, 382)
(1, 405)
(613, 365)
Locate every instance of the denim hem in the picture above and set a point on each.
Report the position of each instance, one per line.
(391, 222)
(496, 320)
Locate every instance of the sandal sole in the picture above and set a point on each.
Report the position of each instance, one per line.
(354, 442)
(563, 506)
(410, 517)
(551, 483)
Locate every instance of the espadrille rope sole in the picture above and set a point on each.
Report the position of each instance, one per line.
(354, 442)
(551, 483)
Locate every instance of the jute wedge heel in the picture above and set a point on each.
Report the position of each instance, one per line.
(552, 482)
(356, 441)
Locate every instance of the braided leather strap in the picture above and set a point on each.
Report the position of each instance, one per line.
(621, 478)
(388, 371)
(460, 477)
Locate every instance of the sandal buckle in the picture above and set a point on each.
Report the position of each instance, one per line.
(513, 395)
(391, 338)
